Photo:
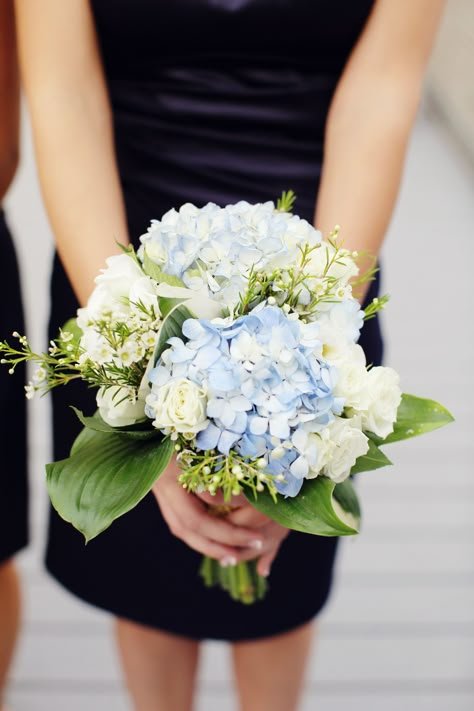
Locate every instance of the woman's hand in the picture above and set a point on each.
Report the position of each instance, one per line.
(244, 514)
(222, 538)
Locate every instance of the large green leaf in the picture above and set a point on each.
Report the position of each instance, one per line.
(374, 459)
(316, 509)
(154, 271)
(416, 416)
(345, 495)
(106, 475)
(171, 326)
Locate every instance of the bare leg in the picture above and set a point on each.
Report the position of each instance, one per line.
(159, 667)
(9, 619)
(270, 672)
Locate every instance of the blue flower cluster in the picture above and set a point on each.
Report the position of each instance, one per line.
(215, 248)
(265, 380)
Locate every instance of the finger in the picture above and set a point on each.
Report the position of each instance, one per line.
(222, 531)
(248, 516)
(187, 514)
(226, 555)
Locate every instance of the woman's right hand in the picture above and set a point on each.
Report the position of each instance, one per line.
(189, 519)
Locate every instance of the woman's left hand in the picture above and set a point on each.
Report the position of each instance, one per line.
(244, 514)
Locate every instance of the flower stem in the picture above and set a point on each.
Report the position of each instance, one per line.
(241, 581)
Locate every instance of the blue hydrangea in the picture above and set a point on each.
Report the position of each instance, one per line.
(216, 247)
(265, 379)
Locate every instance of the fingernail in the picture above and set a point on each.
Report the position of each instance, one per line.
(256, 544)
(228, 561)
(265, 572)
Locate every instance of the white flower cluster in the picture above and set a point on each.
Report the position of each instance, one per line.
(120, 325)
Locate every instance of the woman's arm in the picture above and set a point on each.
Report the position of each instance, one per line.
(370, 120)
(72, 128)
(9, 97)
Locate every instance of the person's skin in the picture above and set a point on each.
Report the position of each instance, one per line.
(9, 124)
(367, 132)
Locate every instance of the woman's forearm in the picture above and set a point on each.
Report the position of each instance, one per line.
(73, 135)
(370, 121)
(364, 155)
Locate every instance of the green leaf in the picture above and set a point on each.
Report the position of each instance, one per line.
(286, 202)
(374, 459)
(167, 304)
(141, 430)
(416, 416)
(105, 476)
(154, 271)
(315, 510)
(171, 326)
(346, 497)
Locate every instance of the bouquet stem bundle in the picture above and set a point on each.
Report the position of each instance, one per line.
(241, 581)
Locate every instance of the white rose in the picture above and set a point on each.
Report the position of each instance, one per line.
(352, 383)
(112, 291)
(118, 408)
(178, 406)
(343, 443)
(384, 398)
(119, 276)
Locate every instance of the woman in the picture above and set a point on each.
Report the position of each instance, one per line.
(13, 514)
(138, 107)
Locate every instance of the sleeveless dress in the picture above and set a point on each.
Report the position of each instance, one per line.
(14, 496)
(213, 100)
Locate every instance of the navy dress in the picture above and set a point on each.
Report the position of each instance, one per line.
(14, 494)
(213, 100)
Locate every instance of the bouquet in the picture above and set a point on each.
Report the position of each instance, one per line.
(228, 340)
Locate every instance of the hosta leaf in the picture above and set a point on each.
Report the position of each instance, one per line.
(171, 326)
(106, 475)
(416, 416)
(315, 510)
(374, 459)
(140, 430)
(167, 304)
